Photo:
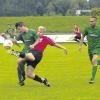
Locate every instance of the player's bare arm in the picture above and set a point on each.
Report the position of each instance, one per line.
(61, 47)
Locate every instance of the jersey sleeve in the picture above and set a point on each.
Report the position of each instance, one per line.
(50, 41)
(85, 32)
(19, 37)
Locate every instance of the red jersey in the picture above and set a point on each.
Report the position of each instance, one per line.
(77, 32)
(44, 41)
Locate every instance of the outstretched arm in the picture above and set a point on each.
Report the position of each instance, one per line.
(12, 39)
(61, 47)
(15, 42)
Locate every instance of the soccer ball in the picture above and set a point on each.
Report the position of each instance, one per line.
(7, 44)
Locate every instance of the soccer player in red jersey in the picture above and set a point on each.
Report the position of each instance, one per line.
(77, 32)
(35, 55)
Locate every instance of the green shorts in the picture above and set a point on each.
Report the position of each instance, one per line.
(91, 52)
(94, 51)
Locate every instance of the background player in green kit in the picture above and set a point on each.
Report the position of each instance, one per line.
(30, 39)
(93, 37)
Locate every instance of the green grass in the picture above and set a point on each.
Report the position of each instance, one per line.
(68, 75)
(56, 24)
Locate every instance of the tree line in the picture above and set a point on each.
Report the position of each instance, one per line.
(45, 7)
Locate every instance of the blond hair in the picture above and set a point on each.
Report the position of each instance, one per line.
(41, 28)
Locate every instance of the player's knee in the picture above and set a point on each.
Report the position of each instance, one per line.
(29, 74)
(94, 61)
(30, 57)
(20, 61)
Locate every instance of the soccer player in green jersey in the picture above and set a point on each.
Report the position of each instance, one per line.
(30, 39)
(93, 37)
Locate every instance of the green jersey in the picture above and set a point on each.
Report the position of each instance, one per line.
(93, 37)
(28, 38)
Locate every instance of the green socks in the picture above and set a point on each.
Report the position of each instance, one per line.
(21, 72)
(98, 62)
(94, 70)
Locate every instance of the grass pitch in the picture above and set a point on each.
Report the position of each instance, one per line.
(53, 24)
(68, 75)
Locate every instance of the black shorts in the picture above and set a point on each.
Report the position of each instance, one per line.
(78, 37)
(38, 57)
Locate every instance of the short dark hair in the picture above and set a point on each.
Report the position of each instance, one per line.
(94, 17)
(19, 24)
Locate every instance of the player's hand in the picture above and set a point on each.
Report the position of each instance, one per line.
(31, 46)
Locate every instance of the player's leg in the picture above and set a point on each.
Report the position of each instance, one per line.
(21, 67)
(85, 43)
(32, 65)
(32, 60)
(29, 73)
(21, 63)
(30, 57)
(76, 39)
(94, 68)
(90, 56)
(98, 61)
(21, 71)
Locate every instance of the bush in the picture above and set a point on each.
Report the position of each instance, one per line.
(95, 12)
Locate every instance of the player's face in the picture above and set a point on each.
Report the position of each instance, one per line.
(92, 22)
(21, 29)
(40, 31)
